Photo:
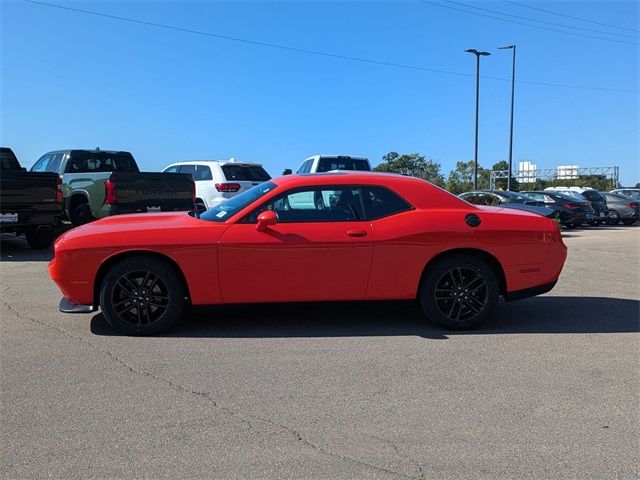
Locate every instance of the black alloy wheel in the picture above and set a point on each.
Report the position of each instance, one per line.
(141, 296)
(459, 292)
(81, 215)
(612, 218)
(40, 238)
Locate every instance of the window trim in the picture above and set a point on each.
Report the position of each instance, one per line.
(366, 218)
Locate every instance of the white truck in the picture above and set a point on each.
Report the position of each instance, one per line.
(333, 163)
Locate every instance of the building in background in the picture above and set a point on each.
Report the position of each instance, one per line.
(526, 172)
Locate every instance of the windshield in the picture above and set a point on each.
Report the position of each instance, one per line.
(330, 164)
(226, 209)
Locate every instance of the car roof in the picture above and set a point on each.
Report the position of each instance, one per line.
(418, 192)
(345, 157)
(85, 150)
(211, 162)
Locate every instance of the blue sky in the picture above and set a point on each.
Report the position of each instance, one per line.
(72, 80)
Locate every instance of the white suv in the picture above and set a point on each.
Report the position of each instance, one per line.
(217, 181)
(332, 163)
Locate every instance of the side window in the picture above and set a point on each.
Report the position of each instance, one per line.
(203, 172)
(380, 202)
(54, 164)
(76, 165)
(327, 204)
(492, 199)
(536, 196)
(191, 169)
(42, 164)
(173, 169)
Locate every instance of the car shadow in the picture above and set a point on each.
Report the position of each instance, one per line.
(548, 314)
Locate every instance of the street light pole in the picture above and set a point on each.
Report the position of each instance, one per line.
(513, 90)
(475, 164)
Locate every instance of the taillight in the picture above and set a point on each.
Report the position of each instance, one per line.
(227, 187)
(58, 190)
(631, 205)
(193, 192)
(570, 205)
(109, 192)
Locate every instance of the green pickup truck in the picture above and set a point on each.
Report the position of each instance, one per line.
(98, 183)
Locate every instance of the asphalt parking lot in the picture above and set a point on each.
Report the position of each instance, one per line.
(549, 389)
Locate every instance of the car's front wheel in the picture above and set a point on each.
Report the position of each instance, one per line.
(141, 296)
(459, 292)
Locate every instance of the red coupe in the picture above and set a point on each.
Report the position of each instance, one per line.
(302, 238)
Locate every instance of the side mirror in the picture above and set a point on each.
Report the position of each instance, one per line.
(287, 171)
(23, 169)
(266, 219)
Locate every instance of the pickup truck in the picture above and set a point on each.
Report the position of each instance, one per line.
(30, 203)
(98, 183)
(332, 163)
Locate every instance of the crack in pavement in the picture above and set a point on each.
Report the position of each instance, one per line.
(421, 472)
(244, 418)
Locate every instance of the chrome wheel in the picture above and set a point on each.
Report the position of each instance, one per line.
(461, 294)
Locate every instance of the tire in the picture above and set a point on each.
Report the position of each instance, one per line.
(612, 218)
(158, 309)
(443, 287)
(81, 215)
(40, 238)
(628, 221)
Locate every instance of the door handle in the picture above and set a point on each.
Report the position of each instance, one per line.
(357, 233)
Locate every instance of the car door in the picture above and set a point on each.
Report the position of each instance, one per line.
(317, 250)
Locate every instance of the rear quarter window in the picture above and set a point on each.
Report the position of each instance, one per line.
(380, 202)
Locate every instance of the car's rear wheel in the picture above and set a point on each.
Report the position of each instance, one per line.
(81, 215)
(459, 292)
(141, 296)
(612, 218)
(40, 238)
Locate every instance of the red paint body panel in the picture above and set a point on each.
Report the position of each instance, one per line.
(232, 262)
(295, 262)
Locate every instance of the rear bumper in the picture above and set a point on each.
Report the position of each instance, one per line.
(529, 292)
(66, 306)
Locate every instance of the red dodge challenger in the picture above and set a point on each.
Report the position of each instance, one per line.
(304, 238)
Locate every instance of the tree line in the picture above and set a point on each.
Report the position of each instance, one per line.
(460, 179)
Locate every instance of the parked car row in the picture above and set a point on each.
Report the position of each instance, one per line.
(571, 206)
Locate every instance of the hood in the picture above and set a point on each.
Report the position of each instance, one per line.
(139, 229)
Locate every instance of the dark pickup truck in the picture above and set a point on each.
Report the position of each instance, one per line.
(30, 203)
(98, 183)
